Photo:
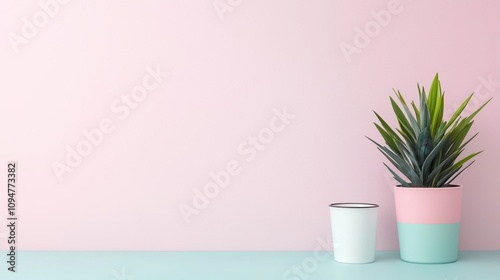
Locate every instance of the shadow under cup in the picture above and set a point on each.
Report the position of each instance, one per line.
(354, 231)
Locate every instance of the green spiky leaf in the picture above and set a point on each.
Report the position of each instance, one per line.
(425, 147)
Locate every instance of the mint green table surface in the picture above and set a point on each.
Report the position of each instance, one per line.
(473, 265)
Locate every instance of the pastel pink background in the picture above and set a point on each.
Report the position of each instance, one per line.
(227, 76)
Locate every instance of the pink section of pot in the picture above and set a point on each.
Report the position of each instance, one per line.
(428, 205)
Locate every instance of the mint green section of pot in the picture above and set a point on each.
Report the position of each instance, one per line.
(428, 243)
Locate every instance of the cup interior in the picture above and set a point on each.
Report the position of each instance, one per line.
(354, 205)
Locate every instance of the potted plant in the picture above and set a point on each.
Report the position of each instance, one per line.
(425, 151)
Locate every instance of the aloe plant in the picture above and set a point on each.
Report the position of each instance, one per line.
(425, 148)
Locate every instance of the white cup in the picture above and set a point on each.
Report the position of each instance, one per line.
(354, 232)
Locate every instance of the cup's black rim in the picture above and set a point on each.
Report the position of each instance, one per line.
(346, 205)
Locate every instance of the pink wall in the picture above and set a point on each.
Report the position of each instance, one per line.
(295, 75)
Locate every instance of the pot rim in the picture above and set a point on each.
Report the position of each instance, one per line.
(346, 205)
(429, 188)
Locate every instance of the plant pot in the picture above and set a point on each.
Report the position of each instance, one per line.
(428, 223)
(354, 232)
